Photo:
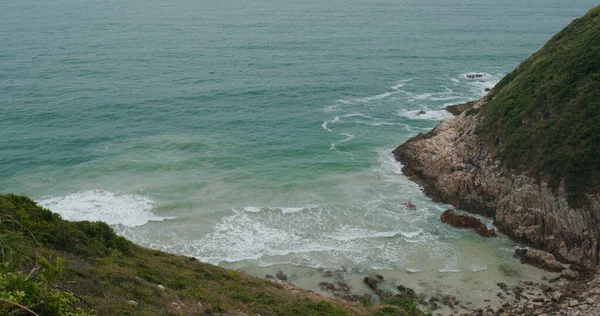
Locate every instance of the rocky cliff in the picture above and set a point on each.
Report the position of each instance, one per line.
(528, 154)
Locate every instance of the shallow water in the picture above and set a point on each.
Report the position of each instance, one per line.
(258, 135)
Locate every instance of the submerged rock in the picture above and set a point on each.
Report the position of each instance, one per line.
(409, 205)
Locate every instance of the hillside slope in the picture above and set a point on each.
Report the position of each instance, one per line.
(544, 117)
(56, 267)
(528, 154)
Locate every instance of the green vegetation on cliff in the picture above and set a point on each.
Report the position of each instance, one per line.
(55, 267)
(544, 117)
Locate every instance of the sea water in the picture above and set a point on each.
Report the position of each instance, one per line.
(257, 135)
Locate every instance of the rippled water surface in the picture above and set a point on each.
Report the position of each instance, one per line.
(257, 134)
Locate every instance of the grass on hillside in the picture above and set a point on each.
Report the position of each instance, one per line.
(544, 117)
(57, 267)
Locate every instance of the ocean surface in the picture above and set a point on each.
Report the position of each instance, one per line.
(257, 135)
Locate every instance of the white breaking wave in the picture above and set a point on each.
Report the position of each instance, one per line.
(388, 162)
(395, 89)
(449, 270)
(100, 205)
(324, 125)
(425, 114)
(284, 210)
(357, 114)
(348, 138)
(355, 233)
(479, 84)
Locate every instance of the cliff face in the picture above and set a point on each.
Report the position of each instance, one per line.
(454, 165)
(528, 154)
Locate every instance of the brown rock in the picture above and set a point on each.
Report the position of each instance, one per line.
(355, 297)
(327, 286)
(465, 221)
(554, 279)
(538, 258)
(344, 287)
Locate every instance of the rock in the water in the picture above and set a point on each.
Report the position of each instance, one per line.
(281, 276)
(327, 286)
(539, 258)
(344, 287)
(409, 205)
(474, 75)
(466, 221)
(372, 282)
(503, 286)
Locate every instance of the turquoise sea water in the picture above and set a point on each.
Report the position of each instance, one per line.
(254, 133)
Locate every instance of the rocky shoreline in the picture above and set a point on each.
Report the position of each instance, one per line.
(453, 165)
(576, 291)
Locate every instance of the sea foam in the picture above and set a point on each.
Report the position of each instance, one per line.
(99, 205)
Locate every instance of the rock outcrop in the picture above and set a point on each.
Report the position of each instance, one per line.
(454, 166)
(465, 221)
(539, 258)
